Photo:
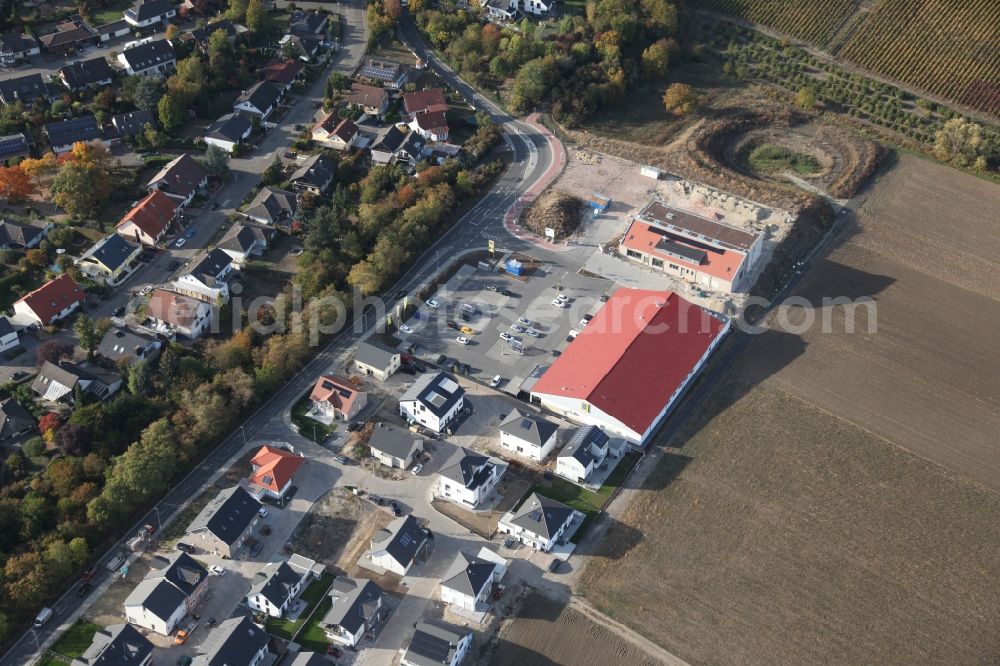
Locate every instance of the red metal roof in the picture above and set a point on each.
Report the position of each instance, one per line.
(274, 468)
(53, 297)
(633, 355)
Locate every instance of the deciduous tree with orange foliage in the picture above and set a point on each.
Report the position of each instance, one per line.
(15, 184)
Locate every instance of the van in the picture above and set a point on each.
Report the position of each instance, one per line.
(43, 616)
(471, 309)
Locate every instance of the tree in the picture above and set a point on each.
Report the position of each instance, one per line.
(680, 99)
(48, 423)
(655, 60)
(216, 160)
(74, 440)
(172, 31)
(337, 82)
(143, 91)
(256, 17)
(221, 57)
(139, 379)
(237, 10)
(274, 173)
(34, 447)
(27, 579)
(15, 184)
(80, 190)
(958, 141)
(87, 332)
(171, 113)
(805, 98)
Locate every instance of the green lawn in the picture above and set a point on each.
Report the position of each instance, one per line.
(313, 595)
(76, 639)
(109, 14)
(586, 501)
(314, 638)
(50, 660)
(309, 428)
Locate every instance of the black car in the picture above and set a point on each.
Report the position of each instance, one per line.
(83, 589)
(256, 549)
(442, 359)
(452, 324)
(587, 317)
(18, 375)
(400, 294)
(378, 500)
(419, 367)
(173, 265)
(506, 292)
(215, 204)
(354, 426)
(119, 311)
(185, 547)
(556, 352)
(554, 565)
(407, 370)
(396, 511)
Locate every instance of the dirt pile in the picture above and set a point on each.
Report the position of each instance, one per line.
(557, 210)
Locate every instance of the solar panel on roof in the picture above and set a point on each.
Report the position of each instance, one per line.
(448, 385)
(431, 647)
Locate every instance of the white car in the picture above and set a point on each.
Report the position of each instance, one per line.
(432, 303)
(505, 336)
(263, 512)
(516, 328)
(416, 469)
(495, 382)
(562, 297)
(524, 320)
(180, 242)
(583, 322)
(560, 304)
(462, 340)
(145, 291)
(405, 329)
(216, 570)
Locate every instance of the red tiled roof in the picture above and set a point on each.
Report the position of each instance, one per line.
(365, 95)
(173, 308)
(53, 297)
(432, 121)
(633, 355)
(424, 101)
(338, 392)
(719, 262)
(281, 71)
(152, 214)
(274, 468)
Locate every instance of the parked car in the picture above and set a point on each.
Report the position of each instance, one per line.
(452, 324)
(560, 304)
(119, 311)
(517, 328)
(89, 574)
(506, 292)
(342, 460)
(556, 353)
(495, 382)
(407, 370)
(533, 333)
(180, 242)
(554, 565)
(420, 367)
(256, 549)
(400, 294)
(115, 562)
(185, 547)
(173, 265)
(377, 499)
(405, 329)
(262, 512)
(18, 375)
(432, 303)
(462, 340)
(181, 637)
(588, 317)
(491, 287)
(216, 570)
(524, 320)
(505, 336)
(354, 426)
(416, 469)
(467, 330)
(190, 232)
(396, 511)
(83, 589)
(214, 206)
(185, 660)
(441, 359)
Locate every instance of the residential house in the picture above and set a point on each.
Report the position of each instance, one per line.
(25, 89)
(235, 642)
(13, 146)
(21, 236)
(372, 100)
(383, 150)
(123, 343)
(91, 73)
(259, 100)
(374, 359)
(337, 398)
(168, 593)
(429, 100)
(133, 123)
(397, 546)
(390, 74)
(309, 22)
(309, 659)
(146, 223)
(109, 259)
(57, 382)
(63, 134)
(244, 241)
(199, 36)
(432, 125)
(206, 281)
(116, 645)
(16, 46)
(537, 7)
(468, 583)
(315, 175)
(114, 30)
(585, 452)
(282, 72)
(410, 150)
(55, 299)
(15, 420)
(226, 521)
(172, 313)
(304, 48)
(434, 401)
(272, 206)
(540, 522)
(150, 12)
(357, 608)
(275, 589)
(468, 478)
(9, 337)
(273, 471)
(504, 11)
(150, 58)
(335, 132)
(69, 35)
(228, 131)
(437, 643)
(394, 446)
(528, 435)
(180, 179)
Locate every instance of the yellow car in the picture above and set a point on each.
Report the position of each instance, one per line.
(467, 330)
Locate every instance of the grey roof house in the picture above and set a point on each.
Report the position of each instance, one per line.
(437, 643)
(468, 478)
(468, 582)
(315, 175)
(124, 343)
(357, 608)
(275, 589)
(24, 89)
(21, 236)
(87, 74)
(226, 522)
(57, 382)
(394, 446)
(539, 522)
(375, 359)
(585, 452)
(117, 645)
(133, 123)
(161, 600)
(397, 546)
(180, 179)
(260, 100)
(235, 642)
(244, 241)
(153, 58)
(434, 401)
(272, 206)
(15, 420)
(528, 435)
(228, 131)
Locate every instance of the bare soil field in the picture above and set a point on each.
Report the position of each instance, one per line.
(794, 524)
(545, 632)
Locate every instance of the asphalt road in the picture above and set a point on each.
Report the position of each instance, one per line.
(531, 158)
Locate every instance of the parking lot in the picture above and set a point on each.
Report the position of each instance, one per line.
(469, 300)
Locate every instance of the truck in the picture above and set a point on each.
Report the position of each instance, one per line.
(138, 542)
(116, 561)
